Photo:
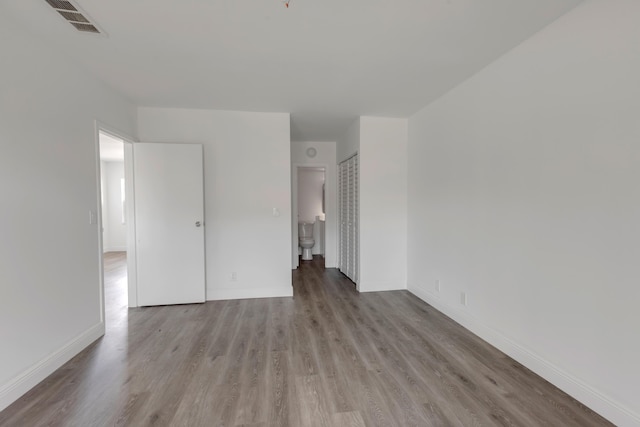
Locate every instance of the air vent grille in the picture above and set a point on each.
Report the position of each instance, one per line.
(88, 28)
(61, 4)
(74, 15)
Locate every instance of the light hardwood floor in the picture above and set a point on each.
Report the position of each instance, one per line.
(327, 357)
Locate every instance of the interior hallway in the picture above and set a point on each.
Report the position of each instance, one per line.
(328, 357)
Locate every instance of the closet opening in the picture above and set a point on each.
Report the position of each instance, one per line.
(349, 219)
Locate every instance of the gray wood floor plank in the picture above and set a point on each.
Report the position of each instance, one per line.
(329, 356)
(348, 419)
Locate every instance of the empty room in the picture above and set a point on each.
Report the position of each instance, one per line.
(319, 213)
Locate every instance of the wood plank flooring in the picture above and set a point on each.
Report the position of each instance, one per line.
(327, 357)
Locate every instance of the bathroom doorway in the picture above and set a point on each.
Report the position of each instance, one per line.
(309, 208)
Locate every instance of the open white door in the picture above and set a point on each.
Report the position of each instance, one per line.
(169, 211)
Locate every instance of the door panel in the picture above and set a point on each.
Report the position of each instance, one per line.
(169, 208)
(348, 188)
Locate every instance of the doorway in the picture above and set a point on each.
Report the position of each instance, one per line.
(158, 238)
(309, 196)
(116, 227)
(113, 210)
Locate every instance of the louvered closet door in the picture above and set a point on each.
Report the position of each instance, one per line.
(348, 212)
(355, 228)
(343, 217)
(340, 248)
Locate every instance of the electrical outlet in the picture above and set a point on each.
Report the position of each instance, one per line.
(463, 298)
(437, 285)
(234, 276)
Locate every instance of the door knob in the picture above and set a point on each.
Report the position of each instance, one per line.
(198, 224)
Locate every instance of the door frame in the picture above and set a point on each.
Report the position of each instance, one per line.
(295, 261)
(128, 141)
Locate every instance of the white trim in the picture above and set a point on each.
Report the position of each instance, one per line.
(614, 411)
(366, 286)
(101, 250)
(132, 269)
(250, 293)
(25, 381)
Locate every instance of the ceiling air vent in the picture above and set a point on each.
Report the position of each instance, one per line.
(74, 15)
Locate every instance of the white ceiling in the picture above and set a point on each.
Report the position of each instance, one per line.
(324, 61)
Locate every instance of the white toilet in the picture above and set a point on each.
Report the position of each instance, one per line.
(305, 238)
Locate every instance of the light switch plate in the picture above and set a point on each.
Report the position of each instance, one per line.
(93, 217)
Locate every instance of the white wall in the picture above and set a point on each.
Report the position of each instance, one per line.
(310, 182)
(325, 157)
(116, 232)
(247, 174)
(50, 299)
(383, 204)
(349, 142)
(382, 147)
(523, 192)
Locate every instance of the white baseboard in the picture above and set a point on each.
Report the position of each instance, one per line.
(607, 407)
(380, 286)
(22, 383)
(225, 294)
(116, 249)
